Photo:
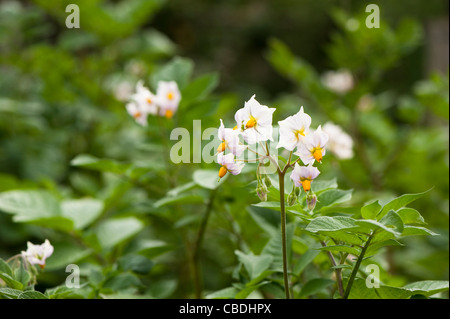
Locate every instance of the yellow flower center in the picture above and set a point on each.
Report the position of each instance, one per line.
(222, 171)
(149, 101)
(137, 114)
(169, 114)
(221, 147)
(306, 184)
(299, 132)
(170, 96)
(251, 123)
(317, 153)
(235, 128)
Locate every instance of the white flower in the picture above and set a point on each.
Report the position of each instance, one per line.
(229, 164)
(136, 111)
(338, 81)
(169, 98)
(304, 175)
(230, 140)
(293, 129)
(37, 254)
(255, 121)
(339, 142)
(146, 101)
(312, 147)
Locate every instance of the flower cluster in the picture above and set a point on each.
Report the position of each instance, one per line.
(254, 125)
(164, 103)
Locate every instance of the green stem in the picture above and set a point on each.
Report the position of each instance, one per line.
(283, 233)
(356, 266)
(337, 270)
(198, 245)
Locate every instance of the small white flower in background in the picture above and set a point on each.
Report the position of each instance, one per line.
(255, 121)
(146, 100)
(338, 81)
(313, 147)
(229, 164)
(339, 142)
(304, 175)
(37, 254)
(169, 98)
(123, 91)
(136, 111)
(230, 140)
(293, 129)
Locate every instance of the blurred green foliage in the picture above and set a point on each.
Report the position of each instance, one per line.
(75, 168)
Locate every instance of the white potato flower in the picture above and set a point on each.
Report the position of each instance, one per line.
(304, 175)
(339, 142)
(37, 254)
(145, 100)
(255, 121)
(312, 147)
(229, 164)
(168, 98)
(230, 140)
(340, 81)
(293, 129)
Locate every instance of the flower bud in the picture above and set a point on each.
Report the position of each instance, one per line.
(297, 191)
(267, 181)
(262, 193)
(292, 199)
(311, 200)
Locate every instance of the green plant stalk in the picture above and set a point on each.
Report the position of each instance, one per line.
(338, 271)
(198, 245)
(356, 266)
(283, 233)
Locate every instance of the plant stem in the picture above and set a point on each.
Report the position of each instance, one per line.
(198, 245)
(283, 233)
(356, 266)
(338, 271)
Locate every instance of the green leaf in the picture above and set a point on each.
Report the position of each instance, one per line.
(5, 268)
(400, 202)
(244, 293)
(114, 231)
(417, 231)
(427, 287)
(267, 219)
(179, 199)
(332, 197)
(207, 178)
(163, 288)
(393, 220)
(181, 189)
(103, 165)
(330, 224)
(82, 211)
(305, 260)
(255, 265)
(274, 247)
(199, 88)
(22, 275)
(411, 216)
(178, 70)
(321, 185)
(371, 210)
(29, 204)
(346, 249)
(10, 293)
(136, 263)
(151, 248)
(32, 295)
(226, 293)
(121, 282)
(10, 282)
(314, 286)
(65, 254)
(377, 244)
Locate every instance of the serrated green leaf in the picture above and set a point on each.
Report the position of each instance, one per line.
(10, 293)
(32, 295)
